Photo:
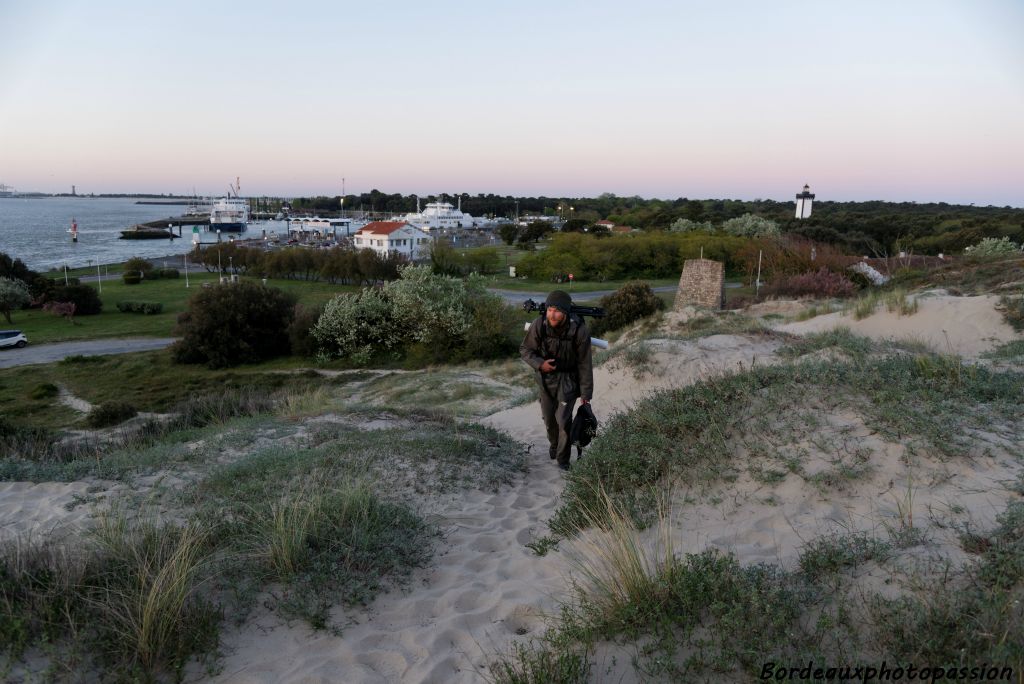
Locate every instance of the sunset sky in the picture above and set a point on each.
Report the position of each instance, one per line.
(902, 101)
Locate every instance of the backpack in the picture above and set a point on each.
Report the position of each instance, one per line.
(584, 428)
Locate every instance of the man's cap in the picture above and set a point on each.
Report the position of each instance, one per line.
(560, 300)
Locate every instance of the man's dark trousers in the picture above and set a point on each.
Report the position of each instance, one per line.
(558, 421)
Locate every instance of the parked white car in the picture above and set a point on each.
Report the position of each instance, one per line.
(12, 338)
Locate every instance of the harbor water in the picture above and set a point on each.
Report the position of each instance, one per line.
(35, 230)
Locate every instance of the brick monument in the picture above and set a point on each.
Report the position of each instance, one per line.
(702, 284)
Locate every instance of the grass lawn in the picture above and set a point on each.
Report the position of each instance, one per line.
(42, 327)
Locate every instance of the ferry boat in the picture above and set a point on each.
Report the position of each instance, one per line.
(230, 213)
(440, 215)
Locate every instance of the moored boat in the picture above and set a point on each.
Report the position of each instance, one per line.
(230, 213)
(140, 232)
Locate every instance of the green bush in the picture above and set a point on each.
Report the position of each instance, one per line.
(85, 298)
(131, 278)
(631, 302)
(110, 413)
(14, 294)
(423, 316)
(169, 273)
(45, 390)
(138, 265)
(233, 323)
(300, 330)
(750, 225)
(640, 255)
(992, 247)
(147, 308)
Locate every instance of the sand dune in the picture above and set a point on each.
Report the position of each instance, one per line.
(485, 590)
(967, 326)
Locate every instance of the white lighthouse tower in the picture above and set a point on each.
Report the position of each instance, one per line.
(803, 203)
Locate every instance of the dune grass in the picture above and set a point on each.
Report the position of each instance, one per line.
(127, 601)
(925, 399)
(301, 522)
(704, 617)
(1010, 350)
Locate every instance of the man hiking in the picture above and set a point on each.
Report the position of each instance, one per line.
(557, 346)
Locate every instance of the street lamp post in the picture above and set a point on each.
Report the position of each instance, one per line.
(186, 270)
(99, 281)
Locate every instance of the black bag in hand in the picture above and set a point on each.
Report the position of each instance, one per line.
(584, 428)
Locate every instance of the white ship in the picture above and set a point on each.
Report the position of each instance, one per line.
(230, 213)
(440, 215)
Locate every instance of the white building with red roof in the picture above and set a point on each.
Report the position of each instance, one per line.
(389, 237)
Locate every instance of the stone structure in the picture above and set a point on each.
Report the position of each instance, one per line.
(702, 284)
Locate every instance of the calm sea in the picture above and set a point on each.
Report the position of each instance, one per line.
(35, 230)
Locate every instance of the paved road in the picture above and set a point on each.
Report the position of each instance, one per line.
(48, 353)
(516, 297)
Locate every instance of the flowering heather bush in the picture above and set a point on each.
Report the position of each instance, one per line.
(65, 309)
(789, 256)
(822, 283)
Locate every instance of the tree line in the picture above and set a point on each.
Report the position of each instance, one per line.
(860, 227)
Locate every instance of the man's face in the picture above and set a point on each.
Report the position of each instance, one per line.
(555, 317)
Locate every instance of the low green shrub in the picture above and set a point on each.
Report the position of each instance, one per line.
(167, 273)
(421, 318)
(85, 298)
(300, 330)
(234, 323)
(45, 390)
(992, 247)
(147, 308)
(110, 413)
(1013, 311)
(138, 265)
(631, 302)
(131, 278)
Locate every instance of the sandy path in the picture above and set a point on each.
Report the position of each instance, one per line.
(485, 589)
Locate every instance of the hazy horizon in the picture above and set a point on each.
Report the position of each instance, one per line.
(903, 102)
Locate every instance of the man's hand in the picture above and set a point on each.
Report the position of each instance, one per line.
(548, 366)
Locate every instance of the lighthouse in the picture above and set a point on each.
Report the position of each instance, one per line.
(803, 203)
